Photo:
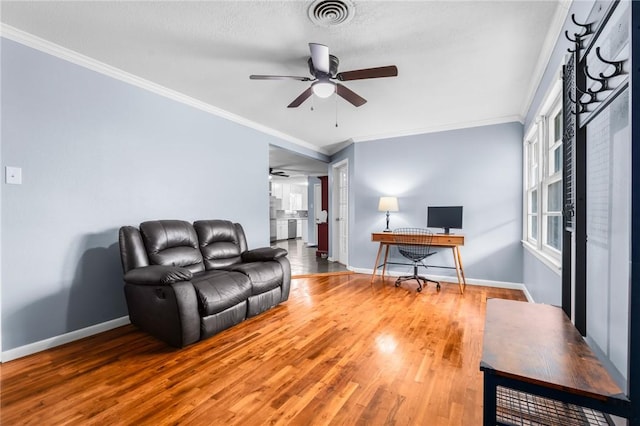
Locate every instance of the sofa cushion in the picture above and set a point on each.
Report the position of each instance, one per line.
(218, 243)
(264, 276)
(172, 242)
(219, 290)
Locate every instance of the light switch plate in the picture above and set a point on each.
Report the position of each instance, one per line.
(13, 175)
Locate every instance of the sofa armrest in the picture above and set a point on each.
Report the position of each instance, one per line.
(263, 254)
(168, 312)
(157, 274)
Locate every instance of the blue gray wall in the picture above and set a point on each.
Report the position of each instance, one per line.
(543, 284)
(97, 153)
(479, 168)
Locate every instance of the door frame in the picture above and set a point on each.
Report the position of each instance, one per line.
(334, 229)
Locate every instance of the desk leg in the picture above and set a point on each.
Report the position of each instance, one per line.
(459, 274)
(375, 267)
(384, 266)
(464, 280)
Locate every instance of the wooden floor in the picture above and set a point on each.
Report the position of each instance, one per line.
(339, 351)
(304, 261)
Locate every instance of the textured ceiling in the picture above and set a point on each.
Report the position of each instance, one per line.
(460, 63)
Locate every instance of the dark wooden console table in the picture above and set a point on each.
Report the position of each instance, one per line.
(537, 368)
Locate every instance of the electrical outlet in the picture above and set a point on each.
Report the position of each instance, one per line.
(13, 175)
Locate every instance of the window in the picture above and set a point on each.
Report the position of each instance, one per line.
(553, 181)
(542, 194)
(532, 186)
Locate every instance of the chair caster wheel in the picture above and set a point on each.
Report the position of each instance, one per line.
(419, 289)
(397, 284)
(438, 287)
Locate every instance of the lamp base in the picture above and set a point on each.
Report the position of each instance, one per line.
(387, 229)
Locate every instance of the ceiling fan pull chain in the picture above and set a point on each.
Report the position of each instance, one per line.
(336, 110)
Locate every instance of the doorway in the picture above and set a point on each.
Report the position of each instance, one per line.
(340, 234)
(289, 170)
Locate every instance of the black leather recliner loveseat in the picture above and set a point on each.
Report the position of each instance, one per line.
(184, 282)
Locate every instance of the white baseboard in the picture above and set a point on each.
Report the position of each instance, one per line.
(447, 278)
(52, 342)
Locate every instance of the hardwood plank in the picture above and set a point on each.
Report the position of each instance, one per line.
(340, 351)
(305, 263)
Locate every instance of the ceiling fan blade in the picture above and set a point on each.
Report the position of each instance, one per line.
(273, 172)
(300, 99)
(278, 77)
(388, 71)
(350, 95)
(320, 57)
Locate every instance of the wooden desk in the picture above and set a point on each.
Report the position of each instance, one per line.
(534, 349)
(452, 241)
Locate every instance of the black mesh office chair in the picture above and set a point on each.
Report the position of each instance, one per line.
(415, 245)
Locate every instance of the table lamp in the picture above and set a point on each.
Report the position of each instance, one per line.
(388, 204)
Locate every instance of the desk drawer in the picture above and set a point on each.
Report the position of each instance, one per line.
(454, 240)
(437, 239)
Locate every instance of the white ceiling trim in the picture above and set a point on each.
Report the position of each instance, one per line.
(76, 58)
(555, 29)
(444, 128)
(533, 80)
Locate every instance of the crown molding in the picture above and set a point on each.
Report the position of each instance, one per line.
(79, 59)
(553, 35)
(442, 128)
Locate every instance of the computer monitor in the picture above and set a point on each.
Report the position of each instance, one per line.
(445, 217)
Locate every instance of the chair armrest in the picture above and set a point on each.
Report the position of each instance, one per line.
(157, 274)
(263, 254)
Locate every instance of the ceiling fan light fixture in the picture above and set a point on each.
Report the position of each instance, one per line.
(323, 88)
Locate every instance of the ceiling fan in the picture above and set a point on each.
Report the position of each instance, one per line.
(273, 172)
(324, 69)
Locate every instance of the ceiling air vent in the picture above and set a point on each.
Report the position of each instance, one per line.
(331, 13)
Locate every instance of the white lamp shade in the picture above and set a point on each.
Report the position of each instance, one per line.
(388, 204)
(323, 89)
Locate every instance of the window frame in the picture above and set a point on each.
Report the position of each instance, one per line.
(550, 178)
(531, 145)
(542, 132)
